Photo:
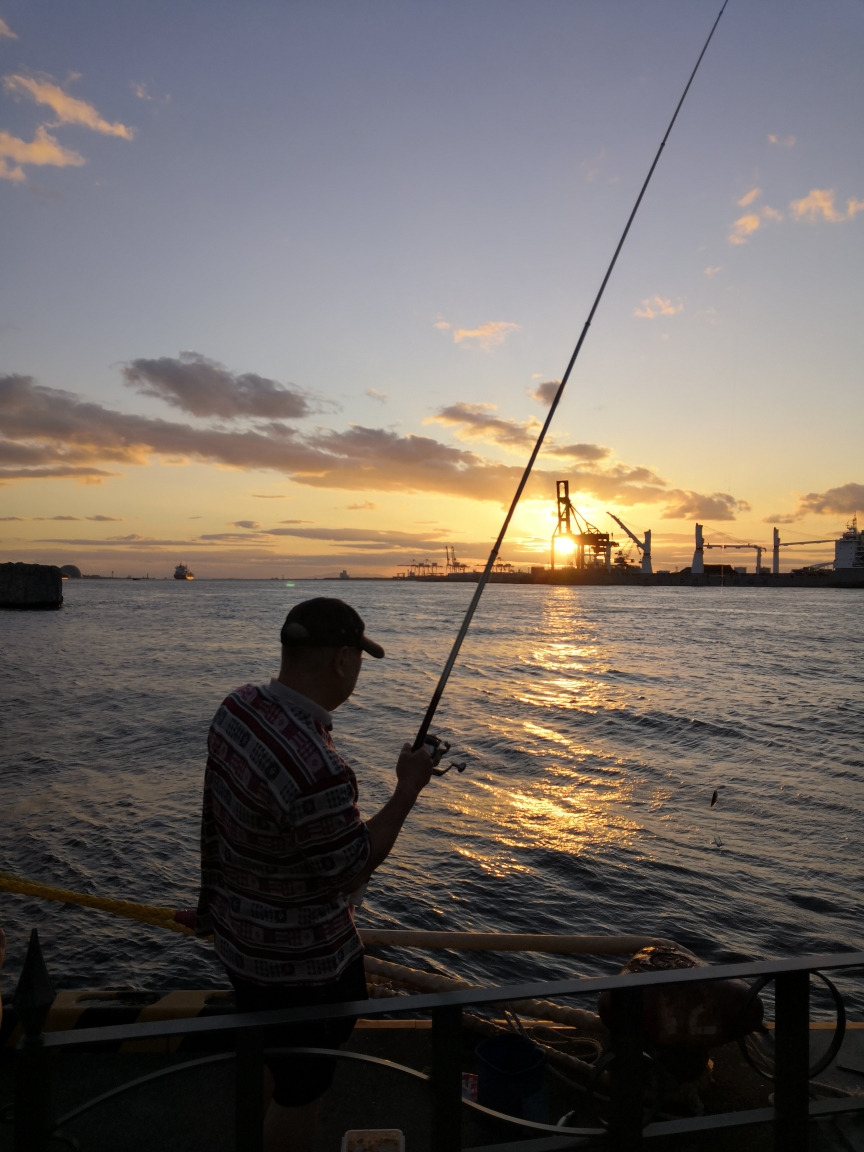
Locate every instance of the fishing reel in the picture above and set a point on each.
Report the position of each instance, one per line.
(438, 749)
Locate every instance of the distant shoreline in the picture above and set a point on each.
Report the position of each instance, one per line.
(842, 578)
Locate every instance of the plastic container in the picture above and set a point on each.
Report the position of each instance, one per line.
(373, 1140)
(511, 1077)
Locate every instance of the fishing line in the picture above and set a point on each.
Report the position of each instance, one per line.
(423, 731)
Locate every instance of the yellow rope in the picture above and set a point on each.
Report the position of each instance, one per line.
(145, 913)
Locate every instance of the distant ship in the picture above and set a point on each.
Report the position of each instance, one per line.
(182, 572)
(849, 549)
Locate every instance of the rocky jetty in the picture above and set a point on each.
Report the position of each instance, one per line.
(30, 586)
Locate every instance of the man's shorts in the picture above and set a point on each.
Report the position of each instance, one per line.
(301, 1079)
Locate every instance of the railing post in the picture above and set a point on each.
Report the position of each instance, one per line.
(625, 1115)
(447, 1079)
(32, 1000)
(249, 1091)
(792, 1061)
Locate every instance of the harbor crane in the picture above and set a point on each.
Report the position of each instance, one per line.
(644, 546)
(588, 546)
(453, 565)
(759, 549)
(775, 565)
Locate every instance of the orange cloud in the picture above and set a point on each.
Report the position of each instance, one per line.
(42, 150)
(67, 109)
(487, 335)
(742, 228)
(657, 306)
(819, 202)
(750, 197)
(782, 141)
(6, 32)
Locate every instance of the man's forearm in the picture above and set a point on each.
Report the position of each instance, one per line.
(384, 827)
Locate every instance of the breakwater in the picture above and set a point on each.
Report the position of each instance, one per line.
(30, 586)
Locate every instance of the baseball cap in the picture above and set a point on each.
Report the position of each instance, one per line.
(326, 622)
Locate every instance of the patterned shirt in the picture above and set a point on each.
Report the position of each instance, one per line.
(280, 837)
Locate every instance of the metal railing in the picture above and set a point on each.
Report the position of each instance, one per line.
(626, 1131)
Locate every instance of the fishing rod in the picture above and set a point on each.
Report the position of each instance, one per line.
(437, 746)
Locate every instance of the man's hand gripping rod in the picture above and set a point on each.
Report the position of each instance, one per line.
(437, 747)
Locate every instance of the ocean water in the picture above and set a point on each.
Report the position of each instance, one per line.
(596, 723)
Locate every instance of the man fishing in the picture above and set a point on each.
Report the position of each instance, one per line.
(283, 848)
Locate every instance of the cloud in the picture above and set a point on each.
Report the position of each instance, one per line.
(67, 109)
(479, 422)
(249, 524)
(749, 197)
(819, 202)
(712, 271)
(204, 387)
(688, 505)
(45, 432)
(593, 167)
(545, 393)
(42, 150)
(843, 501)
(98, 519)
(657, 306)
(577, 451)
(443, 325)
(487, 335)
(6, 32)
(376, 395)
(742, 228)
(143, 93)
(6, 518)
(366, 506)
(362, 539)
(782, 141)
(269, 496)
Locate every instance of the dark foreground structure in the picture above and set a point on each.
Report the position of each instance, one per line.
(149, 1095)
(30, 586)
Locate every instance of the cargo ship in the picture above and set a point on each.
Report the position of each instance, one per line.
(183, 572)
(849, 549)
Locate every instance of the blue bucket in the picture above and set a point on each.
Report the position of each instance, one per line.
(511, 1077)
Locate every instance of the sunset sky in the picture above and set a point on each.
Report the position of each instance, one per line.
(283, 285)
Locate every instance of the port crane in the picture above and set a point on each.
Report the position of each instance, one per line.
(760, 548)
(644, 546)
(588, 546)
(775, 566)
(453, 565)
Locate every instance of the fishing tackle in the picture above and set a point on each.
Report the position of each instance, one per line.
(438, 749)
(423, 731)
